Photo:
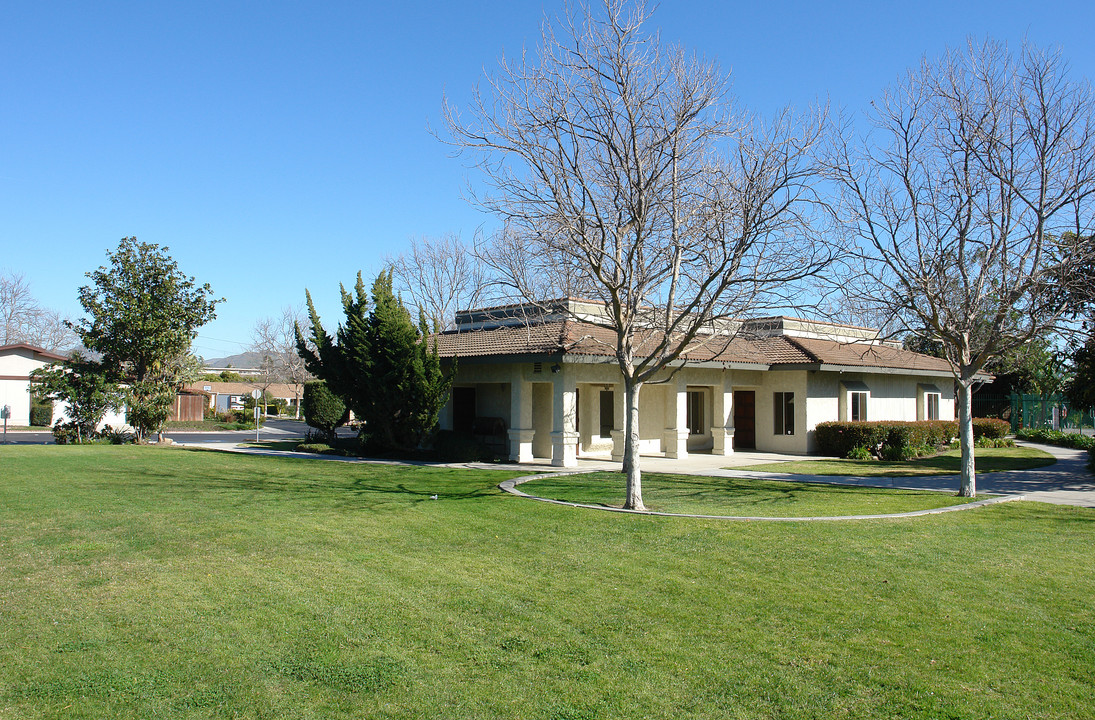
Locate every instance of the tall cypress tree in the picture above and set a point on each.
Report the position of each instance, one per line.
(381, 364)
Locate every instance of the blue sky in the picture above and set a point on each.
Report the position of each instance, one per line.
(275, 146)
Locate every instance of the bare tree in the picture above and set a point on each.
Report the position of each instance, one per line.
(441, 275)
(23, 319)
(620, 174)
(274, 339)
(965, 202)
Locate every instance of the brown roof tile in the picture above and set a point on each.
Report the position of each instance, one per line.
(830, 352)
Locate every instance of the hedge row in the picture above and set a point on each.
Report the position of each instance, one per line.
(882, 437)
(1055, 437)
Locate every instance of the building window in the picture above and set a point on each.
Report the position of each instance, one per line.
(931, 404)
(783, 405)
(695, 412)
(608, 412)
(858, 403)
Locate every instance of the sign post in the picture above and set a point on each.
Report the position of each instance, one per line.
(5, 412)
(256, 394)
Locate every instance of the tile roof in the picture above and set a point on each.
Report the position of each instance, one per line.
(830, 352)
(579, 338)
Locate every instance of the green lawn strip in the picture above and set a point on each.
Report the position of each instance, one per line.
(139, 582)
(209, 425)
(743, 497)
(947, 463)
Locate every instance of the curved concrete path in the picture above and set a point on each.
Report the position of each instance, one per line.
(510, 486)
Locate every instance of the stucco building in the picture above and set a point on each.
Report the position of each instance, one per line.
(544, 383)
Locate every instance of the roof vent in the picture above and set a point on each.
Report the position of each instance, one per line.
(538, 367)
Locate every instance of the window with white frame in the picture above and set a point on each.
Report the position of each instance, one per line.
(857, 406)
(931, 406)
(928, 402)
(783, 412)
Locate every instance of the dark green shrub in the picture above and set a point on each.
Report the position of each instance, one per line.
(990, 428)
(454, 446)
(840, 438)
(322, 409)
(41, 413)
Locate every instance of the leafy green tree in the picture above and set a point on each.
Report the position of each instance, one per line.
(84, 386)
(1080, 389)
(322, 409)
(143, 313)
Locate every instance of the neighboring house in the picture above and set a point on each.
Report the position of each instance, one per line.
(540, 384)
(224, 396)
(16, 364)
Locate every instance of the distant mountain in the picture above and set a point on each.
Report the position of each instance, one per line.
(242, 360)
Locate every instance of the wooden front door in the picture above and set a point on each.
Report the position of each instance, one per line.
(745, 420)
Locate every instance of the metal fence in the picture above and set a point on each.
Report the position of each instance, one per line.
(1052, 412)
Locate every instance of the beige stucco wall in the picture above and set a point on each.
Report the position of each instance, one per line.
(818, 398)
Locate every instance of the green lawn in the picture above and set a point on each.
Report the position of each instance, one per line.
(737, 496)
(947, 463)
(138, 582)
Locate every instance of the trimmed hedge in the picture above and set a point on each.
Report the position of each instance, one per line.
(991, 428)
(1075, 441)
(885, 437)
(41, 413)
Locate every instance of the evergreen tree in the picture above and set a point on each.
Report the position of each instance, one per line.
(380, 364)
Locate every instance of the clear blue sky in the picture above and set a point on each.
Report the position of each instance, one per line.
(275, 145)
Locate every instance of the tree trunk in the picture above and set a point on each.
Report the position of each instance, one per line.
(631, 446)
(968, 487)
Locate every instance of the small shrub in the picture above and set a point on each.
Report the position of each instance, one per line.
(990, 428)
(41, 413)
(993, 442)
(322, 409)
(116, 437)
(898, 453)
(860, 453)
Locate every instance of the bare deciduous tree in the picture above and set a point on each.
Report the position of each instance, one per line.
(441, 275)
(274, 339)
(23, 319)
(963, 200)
(621, 175)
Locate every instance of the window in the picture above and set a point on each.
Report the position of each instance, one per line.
(783, 406)
(695, 412)
(931, 404)
(858, 404)
(608, 412)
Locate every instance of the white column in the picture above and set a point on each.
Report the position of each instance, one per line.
(722, 417)
(520, 418)
(676, 416)
(619, 421)
(564, 412)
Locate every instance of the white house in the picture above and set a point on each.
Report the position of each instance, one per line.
(541, 384)
(17, 362)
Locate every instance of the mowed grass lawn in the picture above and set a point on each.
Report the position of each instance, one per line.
(946, 463)
(742, 497)
(140, 582)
